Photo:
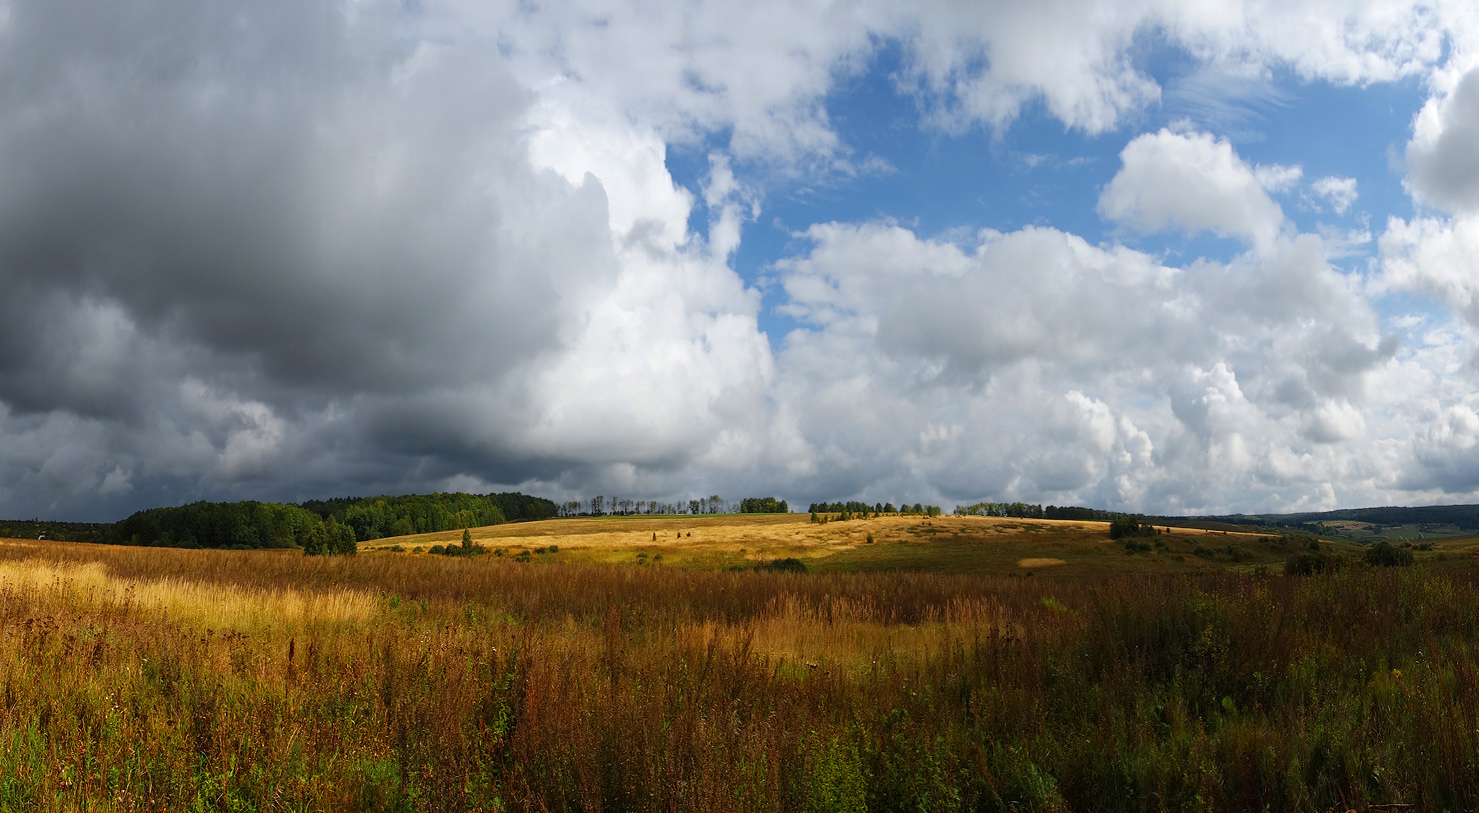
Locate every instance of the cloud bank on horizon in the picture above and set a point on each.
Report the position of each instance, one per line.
(1156, 255)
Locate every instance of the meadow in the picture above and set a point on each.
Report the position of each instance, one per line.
(888, 543)
(890, 677)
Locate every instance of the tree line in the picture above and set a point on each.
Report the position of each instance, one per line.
(603, 506)
(385, 516)
(856, 508)
(1022, 510)
(240, 525)
(319, 526)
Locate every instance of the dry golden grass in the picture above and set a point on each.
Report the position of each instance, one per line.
(146, 679)
(1039, 562)
(223, 608)
(995, 545)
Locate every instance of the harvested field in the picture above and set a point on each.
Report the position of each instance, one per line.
(946, 544)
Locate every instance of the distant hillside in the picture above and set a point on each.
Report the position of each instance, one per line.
(1387, 522)
(1356, 524)
(63, 531)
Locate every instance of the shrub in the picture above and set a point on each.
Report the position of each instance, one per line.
(789, 565)
(1384, 554)
(1128, 526)
(1307, 564)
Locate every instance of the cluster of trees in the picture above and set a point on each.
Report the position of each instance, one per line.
(850, 507)
(239, 525)
(319, 526)
(468, 547)
(854, 508)
(602, 506)
(331, 538)
(763, 505)
(1022, 510)
(927, 510)
(1126, 525)
(385, 516)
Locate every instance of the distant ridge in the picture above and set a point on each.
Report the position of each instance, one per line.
(1462, 516)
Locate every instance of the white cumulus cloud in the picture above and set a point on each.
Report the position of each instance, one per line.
(1193, 182)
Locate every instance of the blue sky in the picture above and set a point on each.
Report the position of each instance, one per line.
(1151, 255)
(1037, 171)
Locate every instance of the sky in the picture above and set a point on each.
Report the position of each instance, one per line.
(1164, 256)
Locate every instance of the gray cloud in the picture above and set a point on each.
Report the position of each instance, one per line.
(296, 247)
(286, 250)
(1443, 155)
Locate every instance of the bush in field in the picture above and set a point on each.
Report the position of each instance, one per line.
(1385, 554)
(1227, 553)
(1308, 564)
(1121, 527)
(468, 547)
(789, 565)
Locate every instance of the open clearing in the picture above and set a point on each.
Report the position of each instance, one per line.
(948, 544)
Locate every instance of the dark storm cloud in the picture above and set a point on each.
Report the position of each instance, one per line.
(287, 204)
(287, 247)
(256, 183)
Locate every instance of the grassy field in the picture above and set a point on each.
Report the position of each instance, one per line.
(157, 679)
(962, 545)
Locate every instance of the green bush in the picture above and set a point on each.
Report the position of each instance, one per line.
(1123, 526)
(1385, 554)
(1308, 564)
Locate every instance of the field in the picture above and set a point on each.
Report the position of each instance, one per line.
(922, 671)
(957, 545)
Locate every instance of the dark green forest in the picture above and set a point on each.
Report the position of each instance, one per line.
(380, 517)
(319, 526)
(237, 525)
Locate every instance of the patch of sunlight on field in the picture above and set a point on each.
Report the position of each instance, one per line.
(746, 536)
(945, 544)
(218, 606)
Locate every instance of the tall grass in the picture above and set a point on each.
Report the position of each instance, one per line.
(183, 680)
